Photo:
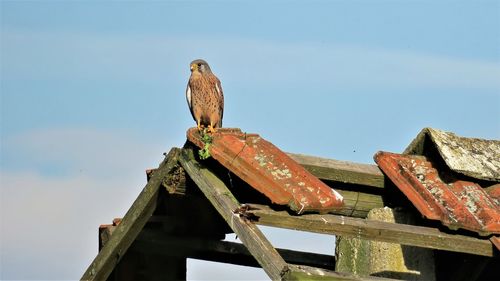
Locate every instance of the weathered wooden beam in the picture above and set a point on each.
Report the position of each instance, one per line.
(373, 230)
(358, 204)
(227, 206)
(300, 272)
(157, 242)
(341, 171)
(132, 223)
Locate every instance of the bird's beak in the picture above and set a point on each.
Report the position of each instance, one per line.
(193, 67)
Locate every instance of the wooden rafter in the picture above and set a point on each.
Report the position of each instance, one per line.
(225, 203)
(156, 242)
(341, 171)
(301, 272)
(255, 241)
(373, 230)
(243, 220)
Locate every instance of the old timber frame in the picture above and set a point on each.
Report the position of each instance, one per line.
(188, 205)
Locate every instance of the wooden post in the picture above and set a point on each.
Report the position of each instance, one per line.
(391, 260)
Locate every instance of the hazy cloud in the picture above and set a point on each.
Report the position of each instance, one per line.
(77, 151)
(60, 54)
(44, 215)
(50, 224)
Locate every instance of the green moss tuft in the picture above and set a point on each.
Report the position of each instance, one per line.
(204, 153)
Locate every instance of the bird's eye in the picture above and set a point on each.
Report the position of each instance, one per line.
(199, 64)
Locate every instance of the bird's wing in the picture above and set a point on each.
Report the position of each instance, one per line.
(188, 97)
(188, 94)
(218, 87)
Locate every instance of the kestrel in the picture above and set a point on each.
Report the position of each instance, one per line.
(204, 96)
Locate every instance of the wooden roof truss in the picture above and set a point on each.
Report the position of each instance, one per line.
(171, 220)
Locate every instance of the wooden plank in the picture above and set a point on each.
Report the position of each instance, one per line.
(132, 223)
(300, 272)
(374, 230)
(341, 171)
(358, 204)
(225, 203)
(152, 241)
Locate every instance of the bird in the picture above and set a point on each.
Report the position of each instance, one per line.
(205, 97)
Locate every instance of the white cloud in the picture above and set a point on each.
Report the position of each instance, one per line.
(60, 54)
(94, 152)
(50, 224)
(51, 220)
(332, 65)
(410, 69)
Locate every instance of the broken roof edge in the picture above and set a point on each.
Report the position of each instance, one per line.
(267, 169)
(472, 157)
(458, 204)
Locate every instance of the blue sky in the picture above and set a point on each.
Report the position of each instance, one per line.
(92, 94)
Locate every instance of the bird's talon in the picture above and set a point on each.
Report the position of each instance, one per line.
(211, 129)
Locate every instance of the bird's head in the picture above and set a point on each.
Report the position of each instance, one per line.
(200, 66)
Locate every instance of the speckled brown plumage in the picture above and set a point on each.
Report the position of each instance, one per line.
(204, 96)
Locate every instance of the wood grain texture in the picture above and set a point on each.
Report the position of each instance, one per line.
(374, 230)
(225, 203)
(300, 272)
(158, 243)
(341, 171)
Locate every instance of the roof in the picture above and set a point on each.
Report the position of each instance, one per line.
(189, 203)
(457, 204)
(268, 169)
(473, 157)
(441, 192)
